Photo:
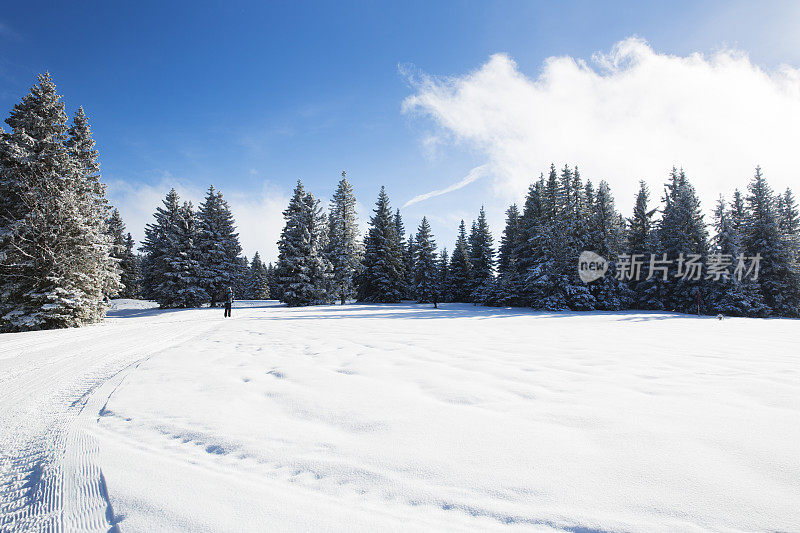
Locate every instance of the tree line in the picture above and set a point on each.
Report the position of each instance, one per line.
(64, 251)
(535, 263)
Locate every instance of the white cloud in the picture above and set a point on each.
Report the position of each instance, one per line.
(258, 216)
(474, 174)
(628, 114)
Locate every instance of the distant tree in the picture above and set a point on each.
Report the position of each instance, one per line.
(130, 270)
(778, 276)
(426, 279)
(344, 249)
(443, 277)
(272, 282)
(258, 286)
(122, 250)
(171, 267)
(606, 235)
(219, 247)
(460, 268)
(481, 255)
(382, 278)
(303, 271)
(406, 254)
(727, 294)
(683, 235)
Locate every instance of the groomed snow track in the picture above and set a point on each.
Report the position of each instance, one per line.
(50, 479)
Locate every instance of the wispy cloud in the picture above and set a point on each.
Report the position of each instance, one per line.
(474, 174)
(628, 114)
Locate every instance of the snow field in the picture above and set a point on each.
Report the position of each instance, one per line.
(403, 417)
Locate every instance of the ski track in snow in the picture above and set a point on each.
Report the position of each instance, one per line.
(53, 385)
(401, 418)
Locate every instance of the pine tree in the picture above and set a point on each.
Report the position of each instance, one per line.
(382, 278)
(219, 246)
(778, 277)
(258, 286)
(344, 250)
(409, 255)
(443, 277)
(155, 245)
(459, 286)
(683, 236)
(95, 207)
(406, 254)
(122, 252)
(789, 223)
(182, 286)
(642, 242)
(727, 294)
(130, 270)
(303, 271)
(172, 271)
(426, 281)
(509, 241)
(506, 290)
(529, 257)
(272, 282)
(738, 213)
(55, 263)
(606, 236)
(481, 254)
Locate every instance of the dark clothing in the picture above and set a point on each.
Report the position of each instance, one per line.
(227, 309)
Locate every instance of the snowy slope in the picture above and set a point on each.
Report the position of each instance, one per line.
(402, 417)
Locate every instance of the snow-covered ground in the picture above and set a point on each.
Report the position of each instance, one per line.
(401, 417)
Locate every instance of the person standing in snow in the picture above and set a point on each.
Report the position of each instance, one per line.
(228, 302)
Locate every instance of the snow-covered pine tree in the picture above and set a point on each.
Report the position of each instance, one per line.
(130, 270)
(778, 277)
(505, 290)
(682, 233)
(303, 271)
(155, 245)
(481, 255)
(641, 223)
(789, 223)
(409, 255)
(551, 278)
(122, 251)
(219, 246)
(509, 241)
(272, 282)
(527, 255)
(382, 277)
(738, 213)
(460, 268)
(568, 234)
(443, 276)
(171, 267)
(344, 249)
(95, 209)
(241, 281)
(641, 240)
(182, 286)
(726, 294)
(258, 287)
(55, 265)
(606, 236)
(426, 279)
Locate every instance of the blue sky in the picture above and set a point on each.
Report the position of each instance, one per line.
(252, 96)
